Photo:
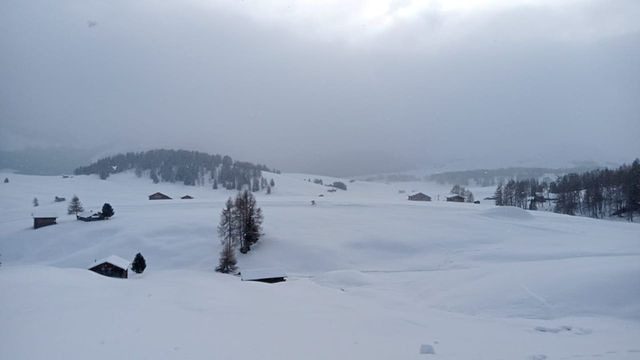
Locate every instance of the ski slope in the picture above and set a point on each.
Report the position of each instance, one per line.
(371, 276)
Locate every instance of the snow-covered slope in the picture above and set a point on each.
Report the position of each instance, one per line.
(371, 276)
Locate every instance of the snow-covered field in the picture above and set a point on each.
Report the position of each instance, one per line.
(371, 276)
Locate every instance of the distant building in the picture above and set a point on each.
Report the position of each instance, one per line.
(270, 276)
(113, 266)
(159, 196)
(43, 220)
(419, 197)
(90, 216)
(187, 197)
(59, 199)
(456, 198)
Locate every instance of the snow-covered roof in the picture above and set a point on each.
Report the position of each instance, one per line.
(114, 260)
(266, 273)
(38, 214)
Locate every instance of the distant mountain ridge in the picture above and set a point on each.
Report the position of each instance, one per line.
(44, 161)
(492, 177)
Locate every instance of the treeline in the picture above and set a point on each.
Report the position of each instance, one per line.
(188, 167)
(598, 193)
(492, 177)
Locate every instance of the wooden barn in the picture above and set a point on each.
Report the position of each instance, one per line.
(43, 220)
(113, 266)
(419, 197)
(270, 275)
(159, 196)
(187, 197)
(456, 198)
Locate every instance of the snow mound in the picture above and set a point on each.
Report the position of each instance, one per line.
(342, 278)
(508, 212)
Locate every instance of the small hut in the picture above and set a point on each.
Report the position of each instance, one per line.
(113, 266)
(270, 275)
(159, 196)
(419, 197)
(90, 216)
(43, 220)
(187, 197)
(456, 198)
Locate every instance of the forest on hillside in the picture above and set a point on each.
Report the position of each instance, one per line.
(188, 167)
(599, 193)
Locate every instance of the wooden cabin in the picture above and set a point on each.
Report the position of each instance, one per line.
(43, 220)
(419, 197)
(113, 266)
(187, 197)
(90, 216)
(271, 275)
(456, 198)
(159, 196)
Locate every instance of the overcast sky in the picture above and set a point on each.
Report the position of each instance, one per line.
(337, 86)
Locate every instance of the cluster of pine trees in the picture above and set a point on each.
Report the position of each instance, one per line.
(597, 193)
(527, 194)
(240, 225)
(188, 167)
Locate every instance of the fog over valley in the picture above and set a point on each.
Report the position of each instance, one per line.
(341, 88)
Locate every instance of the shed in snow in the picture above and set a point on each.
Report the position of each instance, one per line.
(270, 275)
(43, 220)
(456, 198)
(187, 197)
(113, 266)
(90, 216)
(159, 196)
(419, 197)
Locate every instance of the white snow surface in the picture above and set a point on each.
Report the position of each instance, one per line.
(370, 276)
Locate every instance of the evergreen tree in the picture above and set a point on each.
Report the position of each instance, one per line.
(229, 226)
(272, 183)
(6, 180)
(139, 264)
(228, 230)
(268, 190)
(227, 261)
(249, 217)
(215, 184)
(35, 202)
(498, 195)
(107, 210)
(75, 206)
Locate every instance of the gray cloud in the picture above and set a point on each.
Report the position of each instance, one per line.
(542, 84)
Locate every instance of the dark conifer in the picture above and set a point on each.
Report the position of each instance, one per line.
(139, 264)
(107, 210)
(75, 206)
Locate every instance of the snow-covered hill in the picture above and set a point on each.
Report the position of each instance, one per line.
(371, 276)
